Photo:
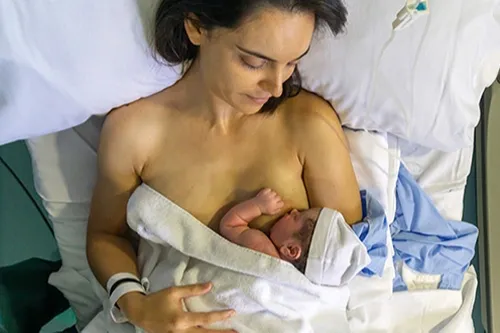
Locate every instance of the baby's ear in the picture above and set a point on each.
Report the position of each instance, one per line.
(291, 250)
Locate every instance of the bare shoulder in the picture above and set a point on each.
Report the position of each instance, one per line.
(138, 117)
(134, 128)
(310, 116)
(308, 102)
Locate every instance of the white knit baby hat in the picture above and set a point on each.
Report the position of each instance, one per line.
(336, 255)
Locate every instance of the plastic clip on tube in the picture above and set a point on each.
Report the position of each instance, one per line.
(409, 13)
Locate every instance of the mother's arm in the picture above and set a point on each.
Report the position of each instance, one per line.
(328, 172)
(109, 251)
(126, 141)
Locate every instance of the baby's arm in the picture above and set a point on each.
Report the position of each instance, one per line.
(234, 225)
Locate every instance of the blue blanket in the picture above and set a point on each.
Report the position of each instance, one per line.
(422, 239)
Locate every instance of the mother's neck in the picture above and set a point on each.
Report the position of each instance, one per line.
(218, 114)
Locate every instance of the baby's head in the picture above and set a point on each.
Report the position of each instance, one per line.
(292, 235)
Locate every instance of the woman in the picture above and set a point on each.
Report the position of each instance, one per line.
(236, 122)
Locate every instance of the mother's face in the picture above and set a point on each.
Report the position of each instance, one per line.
(246, 66)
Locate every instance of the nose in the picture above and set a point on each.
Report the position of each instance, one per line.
(274, 82)
(294, 212)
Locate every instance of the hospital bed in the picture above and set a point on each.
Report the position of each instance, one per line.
(418, 164)
(487, 197)
(370, 66)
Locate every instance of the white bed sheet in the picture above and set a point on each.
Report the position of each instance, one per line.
(442, 175)
(373, 307)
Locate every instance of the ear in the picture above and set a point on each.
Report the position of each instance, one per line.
(193, 30)
(291, 250)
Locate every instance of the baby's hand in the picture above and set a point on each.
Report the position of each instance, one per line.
(269, 202)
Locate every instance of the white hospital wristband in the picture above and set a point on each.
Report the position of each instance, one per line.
(118, 277)
(123, 288)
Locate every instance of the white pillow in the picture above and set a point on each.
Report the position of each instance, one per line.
(424, 83)
(63, 61)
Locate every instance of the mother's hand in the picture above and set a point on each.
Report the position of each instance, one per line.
(162, 312)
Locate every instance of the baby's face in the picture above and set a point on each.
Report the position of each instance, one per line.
(291, 223)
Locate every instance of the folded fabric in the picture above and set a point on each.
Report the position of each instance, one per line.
(268, 294)
(425, 242)
(372, 231)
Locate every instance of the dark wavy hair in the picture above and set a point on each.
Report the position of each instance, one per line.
(173, 45)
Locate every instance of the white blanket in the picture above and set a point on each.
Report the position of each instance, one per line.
(268, 294)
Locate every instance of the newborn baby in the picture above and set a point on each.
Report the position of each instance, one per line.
(289, 238)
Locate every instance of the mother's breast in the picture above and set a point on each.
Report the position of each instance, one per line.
(208, 195)
(286, 183)
(206, 175)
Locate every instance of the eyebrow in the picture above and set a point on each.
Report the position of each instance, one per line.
(259, 55)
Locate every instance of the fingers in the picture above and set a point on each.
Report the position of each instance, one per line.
(276, 208)
(265, 191)
(278, 203)
(276, 197)
(207, 318)
(191, 290)
(273, 196)
(270, 201)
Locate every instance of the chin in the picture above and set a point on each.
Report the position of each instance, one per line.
(246, 106)
(249, 110)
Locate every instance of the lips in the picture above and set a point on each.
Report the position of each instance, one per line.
(259, 100)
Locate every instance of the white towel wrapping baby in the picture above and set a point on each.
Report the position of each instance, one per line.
(268, 294)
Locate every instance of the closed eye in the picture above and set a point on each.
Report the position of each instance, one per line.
(253, 64)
